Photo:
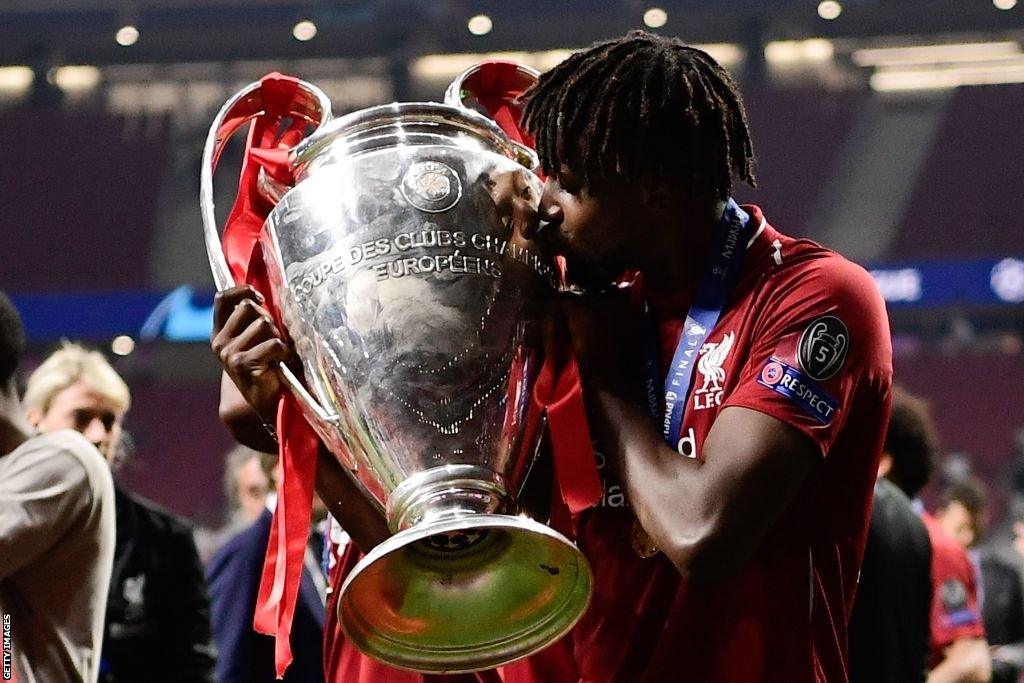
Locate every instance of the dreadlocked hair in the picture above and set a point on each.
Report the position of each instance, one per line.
(641, 106)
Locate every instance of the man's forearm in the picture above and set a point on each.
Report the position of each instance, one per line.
(707, 513)
(242, 420)
(661, 484)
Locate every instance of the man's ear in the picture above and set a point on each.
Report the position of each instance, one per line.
(884, 465)
(34, 415)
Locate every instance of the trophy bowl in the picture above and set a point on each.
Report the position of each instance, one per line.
(415, 307)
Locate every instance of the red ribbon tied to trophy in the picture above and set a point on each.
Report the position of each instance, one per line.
(496, 86)
(270, 136)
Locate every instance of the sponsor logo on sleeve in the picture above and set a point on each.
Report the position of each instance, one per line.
(823, 346)
(790, 382)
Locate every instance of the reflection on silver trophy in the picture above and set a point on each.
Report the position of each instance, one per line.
(415, 308)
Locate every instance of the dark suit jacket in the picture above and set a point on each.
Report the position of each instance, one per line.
(158, 614)
(1002, 603)
(245, 656)
(889, 626)
(1002, 609)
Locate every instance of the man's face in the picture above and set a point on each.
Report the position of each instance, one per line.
(253, 485)
(1018, 537)
(592, 231)
(959, 523)
(88, 412)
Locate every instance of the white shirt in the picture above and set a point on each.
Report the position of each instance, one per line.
(56, 555)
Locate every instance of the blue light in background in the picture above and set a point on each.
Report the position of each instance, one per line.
(182, 315)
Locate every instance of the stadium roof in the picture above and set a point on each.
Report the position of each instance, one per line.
(82, 31)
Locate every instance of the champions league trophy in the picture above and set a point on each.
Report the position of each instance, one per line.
(415, 310)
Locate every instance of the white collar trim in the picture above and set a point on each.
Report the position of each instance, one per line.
(757, 233)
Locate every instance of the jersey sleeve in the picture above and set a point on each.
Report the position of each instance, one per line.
(41, 498)
(956, 611)
(821, 342)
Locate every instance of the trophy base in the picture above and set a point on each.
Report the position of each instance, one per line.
(465, 594)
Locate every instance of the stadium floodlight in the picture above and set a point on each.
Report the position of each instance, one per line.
(304, 30)
(480, 25)
(122, 345)
(829, 9)
(655, 17)
(946, 76)
(127, 35)
(80, 78)
(948, 53)
(15, 79)
(799, 52)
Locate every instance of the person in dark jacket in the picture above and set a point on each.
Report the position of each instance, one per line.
(157, 617)
(233, 576)
(889, 626)
(1002, 608)
(957, 647)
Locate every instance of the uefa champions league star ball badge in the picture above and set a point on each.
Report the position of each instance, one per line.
(823, 346)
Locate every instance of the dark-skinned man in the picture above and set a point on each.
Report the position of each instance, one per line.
(741, 417)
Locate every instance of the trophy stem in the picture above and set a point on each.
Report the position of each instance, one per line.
(443, 493)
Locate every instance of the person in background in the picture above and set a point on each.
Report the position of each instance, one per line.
(157, 618)
(246, 485)
(964, 516)
(889, 625)
(959, 651)
(233, 576)
(56, 536)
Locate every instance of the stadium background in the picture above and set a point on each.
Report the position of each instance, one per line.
(887, 129)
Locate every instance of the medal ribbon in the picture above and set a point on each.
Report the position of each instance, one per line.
(709, 300)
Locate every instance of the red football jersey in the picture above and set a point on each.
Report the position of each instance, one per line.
(956, 613)
(804, 338)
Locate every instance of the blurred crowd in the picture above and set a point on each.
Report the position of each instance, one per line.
(168, 602)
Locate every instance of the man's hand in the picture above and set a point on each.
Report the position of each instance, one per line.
(967, 661)
(707, 515)
(608, 340)
(249, 347)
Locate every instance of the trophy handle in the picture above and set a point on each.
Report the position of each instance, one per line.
(454, 96)
(243, 107)
(247, 104)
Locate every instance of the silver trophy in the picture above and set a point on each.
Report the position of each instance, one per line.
(415, 306)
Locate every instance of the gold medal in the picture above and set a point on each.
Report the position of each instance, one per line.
(642, 542)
